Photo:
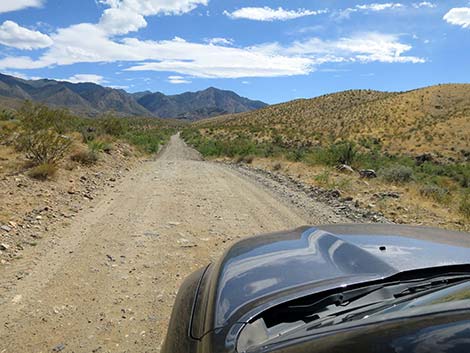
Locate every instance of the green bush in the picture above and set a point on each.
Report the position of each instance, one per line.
(148, 141)
(333, 155)
(37, 117)
(99, 145)
(112, 126)
(397, 174)
(43, 146)
(43, 171)
(343, 153)
(6, 115)
(434, 192)
(460, 172)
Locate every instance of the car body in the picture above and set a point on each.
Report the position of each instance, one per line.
(333, 288)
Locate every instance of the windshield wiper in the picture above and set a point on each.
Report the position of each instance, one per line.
(338, 299)
(381, 294)
(398, 292)
(425, 286)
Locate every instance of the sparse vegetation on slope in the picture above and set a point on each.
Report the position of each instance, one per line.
(46, 137)
(417, 141)
(429, 120)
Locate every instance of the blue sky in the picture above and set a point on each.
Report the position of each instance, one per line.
(269, 50)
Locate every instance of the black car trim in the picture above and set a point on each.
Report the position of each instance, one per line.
(190, 327)
(358, 325)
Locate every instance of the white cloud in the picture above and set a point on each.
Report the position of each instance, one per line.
(120, 87)
(364, 47)
(220, 41)
(375, 7)
(126, 16)
(269, 14)
(216, 58)
(83, 43)
(78, 78)
(459, 16)
(117, 21)
(88, 43)
(15, 5)
(424, 4)
(155, 7)
(13, 35)
(379, 7)
(16, 74)
(177, 79)
(214, 61)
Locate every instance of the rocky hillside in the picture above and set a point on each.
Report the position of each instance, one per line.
(92, 99)
(83, 98)
(428, 120)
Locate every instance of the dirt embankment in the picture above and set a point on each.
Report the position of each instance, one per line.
(106, 281)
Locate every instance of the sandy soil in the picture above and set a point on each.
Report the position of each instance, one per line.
(108, 282)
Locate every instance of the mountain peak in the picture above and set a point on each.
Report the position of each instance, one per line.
(93, 99)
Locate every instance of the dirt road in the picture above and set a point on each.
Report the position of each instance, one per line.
(108, 283)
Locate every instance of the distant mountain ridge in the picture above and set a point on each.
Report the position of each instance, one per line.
(92, 99)
(197, 105)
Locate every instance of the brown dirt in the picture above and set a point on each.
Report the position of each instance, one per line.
(106, 281)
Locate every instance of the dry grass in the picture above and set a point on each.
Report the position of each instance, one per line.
(44, 171)
(84, 156)
(412, 207)
(429, 120)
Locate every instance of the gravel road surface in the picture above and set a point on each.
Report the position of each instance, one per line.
(108, 283)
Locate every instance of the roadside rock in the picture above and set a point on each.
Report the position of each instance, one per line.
(345, 168)
(5, 228)
(368, 173)
(301, 196)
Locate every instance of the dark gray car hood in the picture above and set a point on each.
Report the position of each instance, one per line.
(261, 271)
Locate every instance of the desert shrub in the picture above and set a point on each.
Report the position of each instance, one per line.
(459, 172)
(464, 207)
(147, 140)
(88, 133)
(434, 192)
(42, 130)
(297, 154)
(100, 145)
(332, 155)
(112, 126)
(36, 117)
(43, 171)
(277, 140)
(84, 156)
(7, 131)
(6, 115)
(343, 153)
(43, 146)
(397, 173)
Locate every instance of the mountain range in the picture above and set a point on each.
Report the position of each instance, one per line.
(92, 99)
